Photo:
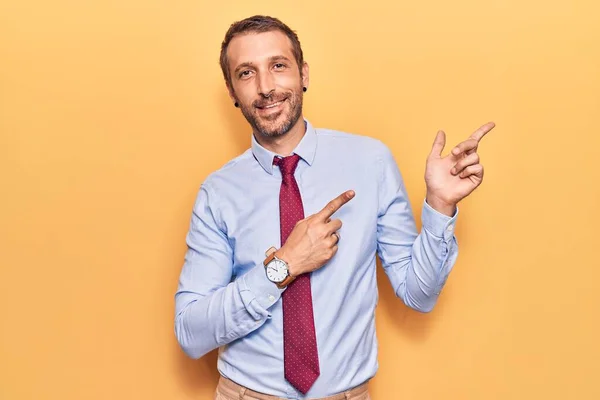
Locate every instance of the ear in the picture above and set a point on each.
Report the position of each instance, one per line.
(305, 77)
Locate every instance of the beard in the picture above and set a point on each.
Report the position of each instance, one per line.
(277, 123)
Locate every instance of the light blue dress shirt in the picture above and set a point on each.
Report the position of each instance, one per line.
(224, 299)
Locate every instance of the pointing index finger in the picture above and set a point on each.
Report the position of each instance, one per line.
(335, 205)
(480, 133)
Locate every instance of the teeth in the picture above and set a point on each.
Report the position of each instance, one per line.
(274, 104)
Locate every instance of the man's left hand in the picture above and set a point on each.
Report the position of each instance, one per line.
(451, 178)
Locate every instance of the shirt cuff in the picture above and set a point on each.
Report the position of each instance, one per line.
(437, 223)
(256, 285)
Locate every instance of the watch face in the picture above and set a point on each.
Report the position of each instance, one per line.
(277, 271)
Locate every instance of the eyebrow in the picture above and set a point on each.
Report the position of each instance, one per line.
(278, 58)
(250, 64)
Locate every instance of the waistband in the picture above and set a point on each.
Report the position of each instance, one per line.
(234, 390)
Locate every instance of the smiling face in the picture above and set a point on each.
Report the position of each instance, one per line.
(266, 81)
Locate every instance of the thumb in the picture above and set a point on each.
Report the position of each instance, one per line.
(438, 144)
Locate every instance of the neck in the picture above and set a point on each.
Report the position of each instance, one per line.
(285, 143)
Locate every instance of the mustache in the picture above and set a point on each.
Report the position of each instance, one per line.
(275, 98)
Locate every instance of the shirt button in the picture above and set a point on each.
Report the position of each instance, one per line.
(271, 297)
(449, 228)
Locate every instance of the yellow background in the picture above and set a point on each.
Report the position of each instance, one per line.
(113, 112)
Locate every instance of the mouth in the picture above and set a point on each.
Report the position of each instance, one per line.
(274, 104)
(271, 107)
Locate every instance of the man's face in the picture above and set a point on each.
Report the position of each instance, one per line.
(266, 81)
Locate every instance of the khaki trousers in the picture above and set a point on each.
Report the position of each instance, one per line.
(229, 390)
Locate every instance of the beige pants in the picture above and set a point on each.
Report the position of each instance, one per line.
(229, 390)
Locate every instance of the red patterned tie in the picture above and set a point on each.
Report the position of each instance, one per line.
(301, 360)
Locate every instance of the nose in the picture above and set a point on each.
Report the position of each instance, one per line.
(266, 84)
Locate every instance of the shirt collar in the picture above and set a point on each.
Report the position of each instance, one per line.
(306, 149)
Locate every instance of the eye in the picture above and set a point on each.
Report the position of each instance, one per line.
(279, 66)
(244, 74)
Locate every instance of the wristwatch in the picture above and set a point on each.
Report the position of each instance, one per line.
(277, 270)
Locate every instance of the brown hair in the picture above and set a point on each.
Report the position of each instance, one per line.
(258, 24)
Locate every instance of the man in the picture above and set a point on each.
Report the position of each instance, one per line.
(281, 261)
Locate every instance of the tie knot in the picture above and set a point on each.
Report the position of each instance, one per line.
(287, 165)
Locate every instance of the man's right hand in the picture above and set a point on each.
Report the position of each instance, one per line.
(313, 241)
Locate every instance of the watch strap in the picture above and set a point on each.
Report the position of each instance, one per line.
(289, 279)
(270, 251)
(269, 258)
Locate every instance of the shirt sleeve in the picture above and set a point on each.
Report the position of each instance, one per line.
(417, 264)
(210, 309)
